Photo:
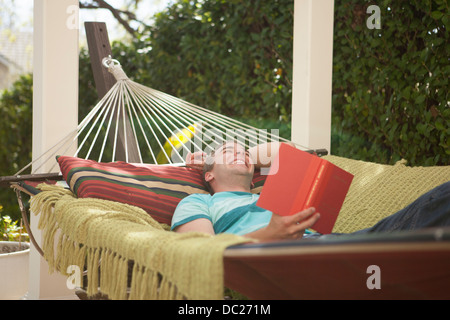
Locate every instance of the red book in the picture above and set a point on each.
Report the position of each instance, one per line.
(299, 180)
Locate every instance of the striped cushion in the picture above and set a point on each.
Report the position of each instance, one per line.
(155, 188)
(258, 181)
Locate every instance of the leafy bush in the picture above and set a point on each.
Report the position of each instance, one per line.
(15, 136)
(390, 85)
(234, 57)
(10, 231)
(16, 126)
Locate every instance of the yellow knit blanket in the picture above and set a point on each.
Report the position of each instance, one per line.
(379, 190)
(104, 236)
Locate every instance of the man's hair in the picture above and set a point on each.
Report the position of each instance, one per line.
(208, 165)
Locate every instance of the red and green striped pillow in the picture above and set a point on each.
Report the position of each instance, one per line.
(155, 188)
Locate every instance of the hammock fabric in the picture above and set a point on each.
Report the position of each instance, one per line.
(379, 190)
(153, 127)
(105, 236)
(170, 265)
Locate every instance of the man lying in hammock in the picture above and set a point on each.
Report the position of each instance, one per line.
(231, 207)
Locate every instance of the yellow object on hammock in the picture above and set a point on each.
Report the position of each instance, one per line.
(175, 142)
(104, 235)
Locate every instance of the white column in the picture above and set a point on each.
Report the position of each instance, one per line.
(55, 111)
(312, 73)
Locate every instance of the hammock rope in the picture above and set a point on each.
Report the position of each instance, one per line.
(164, 128)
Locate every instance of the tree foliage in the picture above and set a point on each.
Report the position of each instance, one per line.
(16, 126)
(234, 57)
(15, 136)
(237, 52)
(390, 85)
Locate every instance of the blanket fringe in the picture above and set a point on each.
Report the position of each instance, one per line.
(105, 237)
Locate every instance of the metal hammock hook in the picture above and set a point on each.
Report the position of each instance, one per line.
(115, 68)
(109, 61)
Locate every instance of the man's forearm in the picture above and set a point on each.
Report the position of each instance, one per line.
(286, 227)
(262, 234)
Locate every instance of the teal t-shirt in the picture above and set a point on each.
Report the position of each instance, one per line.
(229, 212)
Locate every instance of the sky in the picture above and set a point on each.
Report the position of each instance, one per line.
(147, 8)
(16, 28)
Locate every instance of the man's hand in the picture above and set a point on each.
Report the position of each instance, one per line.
(287, 227)
(196, 160)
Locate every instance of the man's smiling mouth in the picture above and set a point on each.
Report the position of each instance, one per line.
(239, 161)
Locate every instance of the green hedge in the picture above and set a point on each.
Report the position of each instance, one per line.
(390, 85)
(390, 96)
(15, 137)
(234, 57)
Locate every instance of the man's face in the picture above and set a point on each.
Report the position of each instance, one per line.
(233, 157)
(232, 166)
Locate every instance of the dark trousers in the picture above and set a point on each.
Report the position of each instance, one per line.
(432, 209)
(429, 210)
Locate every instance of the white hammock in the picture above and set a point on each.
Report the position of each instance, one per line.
(164, 128)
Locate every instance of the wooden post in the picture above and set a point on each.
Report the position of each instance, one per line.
(100, 48)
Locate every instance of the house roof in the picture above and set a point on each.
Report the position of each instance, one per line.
(4, 61)
(17, 49)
